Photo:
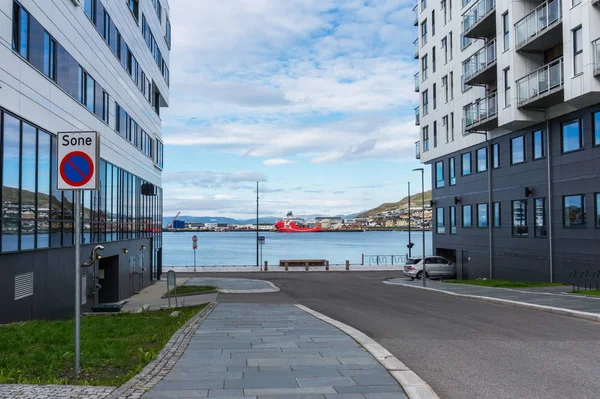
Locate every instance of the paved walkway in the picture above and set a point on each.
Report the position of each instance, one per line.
(257, 351)
(551, 296)
(151, 298)
(235, 285)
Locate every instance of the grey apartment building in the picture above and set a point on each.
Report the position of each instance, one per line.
(509, 118)
(80, 65)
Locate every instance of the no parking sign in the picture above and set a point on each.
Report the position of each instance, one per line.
(78, 161)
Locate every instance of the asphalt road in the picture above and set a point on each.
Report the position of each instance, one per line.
(463, 348)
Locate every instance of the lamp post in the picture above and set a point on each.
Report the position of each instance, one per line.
(424, 277)
(257, 224)
(409, 217)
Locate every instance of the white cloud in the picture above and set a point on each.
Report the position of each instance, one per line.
(277, 162)
(223, 197)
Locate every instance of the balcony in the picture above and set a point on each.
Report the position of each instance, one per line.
(541, 29)
(482, 115)
(416, 44)
(417, 116)
(417, 150)
(480, 20)
(480, 68)
(416, 11)
(596, 52)
(543, 87)
(417, 82)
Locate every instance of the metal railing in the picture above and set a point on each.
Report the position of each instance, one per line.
(416, 45)
(417, 116)
(596, 51)
(390, 260)
(540, 81)
(417, 149)
(417, 81)
(481, 109)
(589, 281)
(476, 13)
(480, 60)
(536, 21)
(416, 11)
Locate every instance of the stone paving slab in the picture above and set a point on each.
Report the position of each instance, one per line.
(259, 351)
(53, 391)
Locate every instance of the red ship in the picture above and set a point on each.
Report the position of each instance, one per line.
(290, 224)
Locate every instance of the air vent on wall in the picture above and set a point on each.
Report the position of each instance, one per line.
(23, 285)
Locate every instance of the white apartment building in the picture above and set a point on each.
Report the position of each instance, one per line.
(80, 65)
(510, 123)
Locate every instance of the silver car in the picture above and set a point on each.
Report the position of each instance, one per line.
(435, 266)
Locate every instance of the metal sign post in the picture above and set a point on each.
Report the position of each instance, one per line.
(195, 247)
(78, 158)
(171, 281)
(261, 242)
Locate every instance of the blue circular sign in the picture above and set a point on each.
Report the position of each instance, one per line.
(77, 168)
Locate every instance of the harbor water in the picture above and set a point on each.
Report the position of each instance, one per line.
(239, 248)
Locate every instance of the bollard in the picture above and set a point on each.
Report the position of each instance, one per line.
(347, 265)
(363, 260)
(326, 265)
(286, 267)
(306, 266)
(266, 266)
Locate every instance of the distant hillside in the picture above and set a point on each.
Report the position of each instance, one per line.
(415, 200)
(218, 219)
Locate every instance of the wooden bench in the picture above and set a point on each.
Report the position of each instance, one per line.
(306, 263)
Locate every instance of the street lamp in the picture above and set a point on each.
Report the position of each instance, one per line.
(424, 277)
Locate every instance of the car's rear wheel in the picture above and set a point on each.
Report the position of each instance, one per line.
(420, 275)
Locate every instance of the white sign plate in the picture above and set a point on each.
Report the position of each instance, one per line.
(78, 161)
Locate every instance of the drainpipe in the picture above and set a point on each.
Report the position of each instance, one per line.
(490, 205)
(550, 229)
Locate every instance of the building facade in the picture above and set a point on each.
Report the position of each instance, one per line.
(80, 65)
(509, 117)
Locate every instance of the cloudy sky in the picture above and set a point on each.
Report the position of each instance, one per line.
(313, 98)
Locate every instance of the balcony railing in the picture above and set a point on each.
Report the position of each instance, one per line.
(540, 82)
(481, 110)
(418, 150)
(417, 82)
(416, 44)
(416, 11)
(476, 13)
(480, 60)
(417, 116)
(536, 22)
(596, 51)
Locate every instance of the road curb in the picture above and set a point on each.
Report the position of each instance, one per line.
(412, 384)
(516, 304)
(273, 288)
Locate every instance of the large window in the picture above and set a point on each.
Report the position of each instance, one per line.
(168, 33)
(505, 29)
(134, 6)
(540, 218)
(577, 52)
(425, 96)
(517, 150)
(467, 213)
(452, 220)
(423, 32)
(154, 48)
(439, 174)
(159, 153)
(538, 144)
(496, 155)
(439, 221)
(597, 128)
(482, 160)
(519, 218)
(497, 214)
(574, 210)
(424, 68)
(452, 170)
(49, 56)
(572, 136)
(425, 138)
(466, 164)
(482, 215)
(597, 209)
(20, 37)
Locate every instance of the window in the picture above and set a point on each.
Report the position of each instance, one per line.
(443, 7)
(134, 6)
(519, 218)
(451, 126)
(432, 23)
(89, 7)
(439, 174)
(482, 215)
(445, 49)
(497, 215)
(540, 218)
(496, 155)
(452, 86)
(574, 210)
(506, 88)
(445, 86)
(434, 90)
(482, 160)
(467, 211)
(49, 56)
(450, 41)
(20, 40)
(424, 68)
(159, 153)
(424, 33)
(425, 96)
(105, 107)
(168, 33)
(572, 137)
(452, 171)
(426, 138)
(577, 51)
(597, 209)
(439, 221)
(435, 134)
(517, 150)
(433, 58)
(445, 125)
(452, 220)
(576, 2)
(505, 28)
(538, 144)
(158, 8)
(596, 122)
(466, 164)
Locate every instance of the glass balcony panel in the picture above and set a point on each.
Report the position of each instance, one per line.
(480, 60)
(481, 110)
(537, 21)
(596, 51)
(541, 81)
(417, 81)
(477, 12)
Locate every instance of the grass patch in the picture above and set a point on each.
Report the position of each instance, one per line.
(114, 348)
(586, 292)
(191, 289)
(504, 283)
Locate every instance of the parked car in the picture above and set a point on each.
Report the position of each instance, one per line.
(435, 266)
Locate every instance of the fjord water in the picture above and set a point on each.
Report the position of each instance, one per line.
(239, 248)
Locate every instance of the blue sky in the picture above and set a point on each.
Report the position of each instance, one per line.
(313, 98)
